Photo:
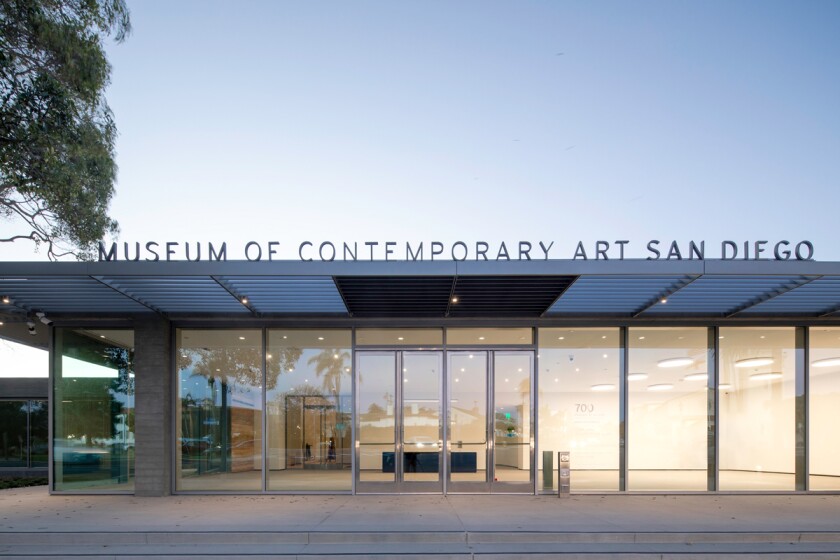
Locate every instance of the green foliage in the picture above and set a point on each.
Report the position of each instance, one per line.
(21, 482)
(57, 132)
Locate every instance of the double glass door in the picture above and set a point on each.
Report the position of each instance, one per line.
(408, 441)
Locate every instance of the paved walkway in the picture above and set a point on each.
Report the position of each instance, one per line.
(34, 524)
(33, 510)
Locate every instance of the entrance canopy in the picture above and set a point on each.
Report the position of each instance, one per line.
(554, 289)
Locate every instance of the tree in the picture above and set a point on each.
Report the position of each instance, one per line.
(57, 132)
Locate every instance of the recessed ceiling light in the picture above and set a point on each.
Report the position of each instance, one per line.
(697, 377)
(765, 376)
(724, 386)
(471, 356)
(660, 387)
(641, 338)
(753, 362)
(663, 300)
(606, 355)
(320, 338)
(721, 337)
(217, 369)
(519, 370)
(826, 362)
(604, 336)
(463, 369)
(457, 380)
(244, 301)
(241, 338)
(6, 299)
(400, 338)
(506, 379)
(480, 338)
(268, 356)
(101, 336)
(675, 362)
(335, 356)
(454, 299)
(636, 376)
(561, 338)
(603, 387)
(285, 337)
(577, 369)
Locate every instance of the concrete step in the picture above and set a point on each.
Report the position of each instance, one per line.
(455, 545)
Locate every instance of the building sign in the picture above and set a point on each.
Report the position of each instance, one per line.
(328, 251)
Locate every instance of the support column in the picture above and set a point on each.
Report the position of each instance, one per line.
(152, 407)
(801, 408)
(623, 420)
(712, 411)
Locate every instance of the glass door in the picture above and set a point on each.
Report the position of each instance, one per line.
(490, 452)
(399, 422)
(513, 440)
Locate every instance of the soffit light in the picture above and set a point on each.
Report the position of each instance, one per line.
(753, 362)
(765, 376)
(637, 376)
(660, 387)
(826, 362)
(696, 377)
(675, 362)
(603, 387)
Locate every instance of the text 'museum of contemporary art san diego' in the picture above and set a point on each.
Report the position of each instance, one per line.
(435, 377)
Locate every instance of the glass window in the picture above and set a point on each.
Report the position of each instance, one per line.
(824, 408)
(38, 433)
(14, 441)
(18, 360)
(93, 390)
(667, 391)
(487, 337)
(309, 406)
(220, 409)
(757, 407)
(578, 406)
(399, 337)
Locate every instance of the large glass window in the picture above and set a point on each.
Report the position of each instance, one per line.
(667, 391)
(220, 410)
(489, 337)
(578, 406)
(93, 391)
(309, 406)
(757, 408)
(824, 409)
(23, 433)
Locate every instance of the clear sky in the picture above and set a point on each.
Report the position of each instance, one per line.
(432, 120)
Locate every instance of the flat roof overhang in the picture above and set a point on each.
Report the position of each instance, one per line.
(614, 290)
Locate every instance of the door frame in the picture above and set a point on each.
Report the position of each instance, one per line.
(399, 485)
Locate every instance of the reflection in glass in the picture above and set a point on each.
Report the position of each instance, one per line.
(489, 337)
(468, 416)
(376, 388)
(14, 440)
(823, 407)
(757, 407)
(399, 337)
(578, 405)
(38, 433)
(93, 390)
(308, 402)
(219, 409)
(667, 407)
(421, 420)
(512, 418)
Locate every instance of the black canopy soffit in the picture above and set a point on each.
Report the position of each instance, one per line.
(451, 296)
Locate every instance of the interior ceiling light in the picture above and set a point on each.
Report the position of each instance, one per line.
(753, 362)
(696, 377)
(637, 376)
(6, 300)
(603, 387)
(454, 299)
(765, 376)
(724, 386)
(826, 362)
(660, 387)
(675, 362)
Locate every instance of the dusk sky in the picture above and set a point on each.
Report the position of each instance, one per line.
(494, 121)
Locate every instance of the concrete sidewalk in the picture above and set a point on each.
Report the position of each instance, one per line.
(34, 524)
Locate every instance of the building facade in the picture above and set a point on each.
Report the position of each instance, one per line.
(437, 377)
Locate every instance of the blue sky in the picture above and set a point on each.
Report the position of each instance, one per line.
(421, 121)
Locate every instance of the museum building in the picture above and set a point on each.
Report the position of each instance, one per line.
(433, 377)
